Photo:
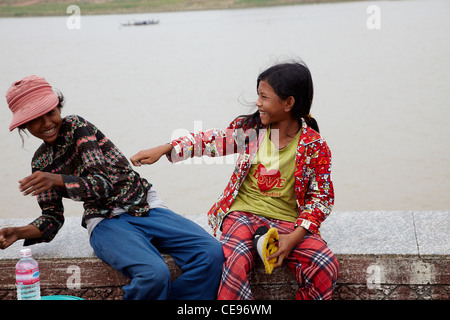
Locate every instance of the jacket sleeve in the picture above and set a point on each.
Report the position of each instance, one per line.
(211, 143)
(319, 196)
(51, 219)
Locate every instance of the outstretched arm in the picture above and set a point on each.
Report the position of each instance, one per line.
(150, 156)
(211, 143)
(11, 234)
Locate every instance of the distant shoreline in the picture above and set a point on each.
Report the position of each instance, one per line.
(40, 8)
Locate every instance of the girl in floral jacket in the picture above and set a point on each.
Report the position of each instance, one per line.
(128, 226)
(282, 180)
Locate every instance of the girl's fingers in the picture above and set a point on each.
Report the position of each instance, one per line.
(32, 185)
(28, 182)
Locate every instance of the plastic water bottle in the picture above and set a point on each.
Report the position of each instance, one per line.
(27, 277)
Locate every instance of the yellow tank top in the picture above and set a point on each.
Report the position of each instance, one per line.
(268, 189)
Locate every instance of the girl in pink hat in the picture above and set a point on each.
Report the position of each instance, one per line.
(282, 180)
(123, 215)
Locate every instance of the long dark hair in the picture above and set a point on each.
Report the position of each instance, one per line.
(289, 79)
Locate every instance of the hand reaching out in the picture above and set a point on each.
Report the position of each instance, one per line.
(150, 156)
(39, 182)
(10, 235)
(7, 237)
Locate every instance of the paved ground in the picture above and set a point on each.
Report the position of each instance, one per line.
(380, 232)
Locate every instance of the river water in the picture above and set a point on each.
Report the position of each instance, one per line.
(381, 94)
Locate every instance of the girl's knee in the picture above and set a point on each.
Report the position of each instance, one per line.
(212, 255)
(216, 251)
(157, 274)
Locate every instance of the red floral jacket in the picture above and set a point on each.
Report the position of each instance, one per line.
(313, 185)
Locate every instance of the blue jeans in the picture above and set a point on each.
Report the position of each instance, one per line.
(131, 245)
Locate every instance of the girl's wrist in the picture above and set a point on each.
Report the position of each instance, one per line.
(166, 148)
(27, 232)
(298, 234)
(59, 181)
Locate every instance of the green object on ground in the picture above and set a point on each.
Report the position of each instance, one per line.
(60, 297)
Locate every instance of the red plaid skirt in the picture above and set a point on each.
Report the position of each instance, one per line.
(312, 262)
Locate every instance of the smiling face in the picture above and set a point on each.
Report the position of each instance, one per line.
(46, 127)
(272, 109)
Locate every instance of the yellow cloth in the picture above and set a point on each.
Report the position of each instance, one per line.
(265, 242)
(270, 246)
(268, 189)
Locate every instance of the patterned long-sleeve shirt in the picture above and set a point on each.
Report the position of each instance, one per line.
(314, 190)
(94, 172)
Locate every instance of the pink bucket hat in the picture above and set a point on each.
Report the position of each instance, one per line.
(29, 99)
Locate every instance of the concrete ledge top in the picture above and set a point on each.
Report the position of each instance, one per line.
(388, 232)
(419, 233)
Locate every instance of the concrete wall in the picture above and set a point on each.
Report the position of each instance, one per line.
(382, 255)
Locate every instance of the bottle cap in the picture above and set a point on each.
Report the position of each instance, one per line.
(24, 253)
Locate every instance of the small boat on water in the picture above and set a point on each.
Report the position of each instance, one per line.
(140, 23)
